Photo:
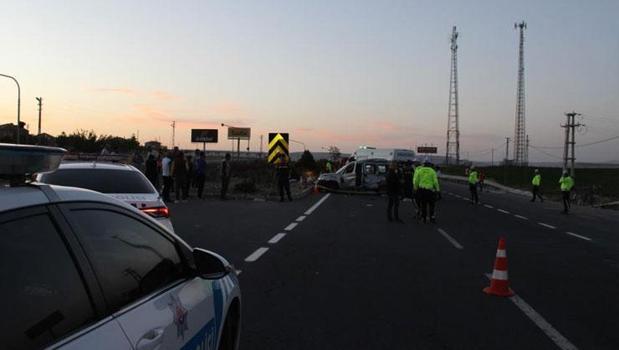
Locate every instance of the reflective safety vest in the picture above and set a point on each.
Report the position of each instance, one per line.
(537, 180)
(425, 178)
(566, 183)
(473, 177)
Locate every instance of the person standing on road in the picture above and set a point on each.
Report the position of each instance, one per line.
(191, 173)
(179, 173)
(283, 178)
(151, 170)
(394, 189)
(200, 173)
(329, 166)
(425, 183)
(482, 177)
(225, 175)
(166, 173)
(473, 183)
(567, 183)
(537, 182)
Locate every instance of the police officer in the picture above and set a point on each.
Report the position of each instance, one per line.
(473, 183)
(425, 183)
(283, 177)
(567, 183)
(329, 166)
(536, 182)
(394, 189)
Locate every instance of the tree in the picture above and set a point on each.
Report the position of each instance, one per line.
(334, 152)
(307, 162)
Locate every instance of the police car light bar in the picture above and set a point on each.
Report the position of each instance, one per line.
(23, 160)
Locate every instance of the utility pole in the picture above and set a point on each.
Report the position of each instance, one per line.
(520, 130)
(261, 137)
(40, 103)
(492, 161)
(570, 141)
(173, 132)
(453, 131)
(506, 149)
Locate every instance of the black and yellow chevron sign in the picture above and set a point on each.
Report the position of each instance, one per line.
(278, 144)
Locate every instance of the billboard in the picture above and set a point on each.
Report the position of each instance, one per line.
(427, 149)
(204, 135)
(238, 133)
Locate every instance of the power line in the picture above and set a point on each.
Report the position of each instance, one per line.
(544, 152)
(597, 142)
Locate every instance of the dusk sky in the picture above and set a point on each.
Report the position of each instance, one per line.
(343, 73)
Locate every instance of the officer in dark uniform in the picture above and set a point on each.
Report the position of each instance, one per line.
(283, 177)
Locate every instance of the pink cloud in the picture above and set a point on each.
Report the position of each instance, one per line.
(120, 91)
(160, 95)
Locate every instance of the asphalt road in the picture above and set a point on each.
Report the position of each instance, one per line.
(346, 278)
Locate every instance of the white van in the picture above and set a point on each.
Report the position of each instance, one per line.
(370, 174)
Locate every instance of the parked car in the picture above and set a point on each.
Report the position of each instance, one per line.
(82, 270)
(120, 181)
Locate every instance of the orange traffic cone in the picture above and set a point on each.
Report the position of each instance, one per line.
(499, 283)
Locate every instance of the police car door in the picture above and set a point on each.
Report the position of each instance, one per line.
(146, 282)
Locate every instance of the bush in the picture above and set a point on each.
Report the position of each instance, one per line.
(246, 186)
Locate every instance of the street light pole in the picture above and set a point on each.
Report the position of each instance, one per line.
(299, 142)
(18, 102)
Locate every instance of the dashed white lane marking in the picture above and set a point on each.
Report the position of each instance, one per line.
(238, 272)
(291, 226)
(277, 238)
(554, 335)
(256, 255)
(503, 211)
(301, 218)
(521, 217)
(450, 239)
(578, 236)
(313, 207)
(488, 206)
(546, 225)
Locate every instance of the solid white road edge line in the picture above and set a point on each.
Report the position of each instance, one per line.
(313, 207)
(554, 335)
(521, 217)
(578, 236)
(291, 226)
(450, 239)
(277, 238)
(256, 255)
(503, 211)
(301, 218)
(546, 225)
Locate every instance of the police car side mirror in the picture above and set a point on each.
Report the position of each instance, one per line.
(210, 265)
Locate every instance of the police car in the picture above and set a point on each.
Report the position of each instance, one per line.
(82, 270)
(121, 181)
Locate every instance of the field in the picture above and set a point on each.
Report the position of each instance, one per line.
(593, 186)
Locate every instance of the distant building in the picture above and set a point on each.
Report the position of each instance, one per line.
(46, 139)
(154, 145)
(8, 132)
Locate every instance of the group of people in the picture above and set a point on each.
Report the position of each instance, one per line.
(566, 184)
(425, 190)
(180, 172)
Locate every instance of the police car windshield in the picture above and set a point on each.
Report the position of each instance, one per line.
(100, 180)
